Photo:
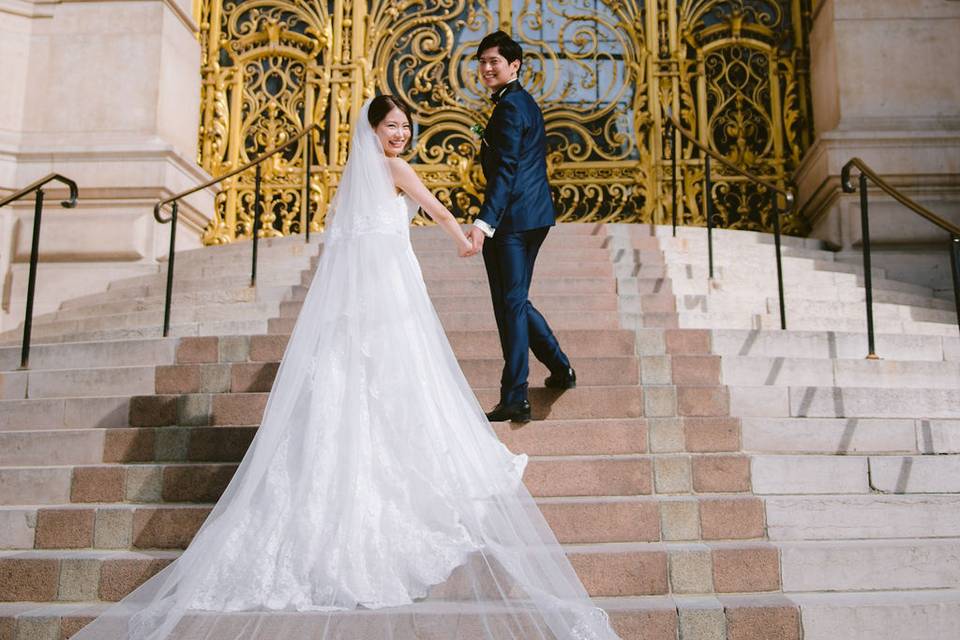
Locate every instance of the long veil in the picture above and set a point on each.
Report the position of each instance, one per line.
(375, 500)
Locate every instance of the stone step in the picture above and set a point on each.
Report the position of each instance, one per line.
(442, 256)
(202, 270)
(185, 283)
(869, 565)
(228, 444)
(544, 269)
(549, 476)
(242, 254)
(555, 243)
(844, 402)
(576, 343)
(847, 474)
(901, 305)
(861, 517)
(117, 353)
(188, 321)
(214, 328)
(722, 296)
(264, 294)
(138, 526)
(238, 409)
(606, 569)
(665, 233)
(480, 372)
(479, 286)
(900, 615)
(64, 413)
(58, 576)
(797, 321)
(472, 321)
(178, 315)
(827, 285)
(633, 618)
(51, 447)
(721, 304)
(726, 251)
(547, 303)
(62, 383)
(842, 436)
(778, 371)
(738, 262)
(831, 344)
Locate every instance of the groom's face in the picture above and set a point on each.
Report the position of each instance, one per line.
(495, 71)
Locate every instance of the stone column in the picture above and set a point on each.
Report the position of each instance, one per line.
(885, 88)
(108, 94)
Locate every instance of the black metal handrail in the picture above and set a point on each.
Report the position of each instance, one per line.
(256, 162)
(69, 203)
(673, 126)
(866, 173)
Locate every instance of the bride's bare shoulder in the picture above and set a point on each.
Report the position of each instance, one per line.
(396, 162)
(400, 169)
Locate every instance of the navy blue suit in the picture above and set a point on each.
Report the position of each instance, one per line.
(519, 206)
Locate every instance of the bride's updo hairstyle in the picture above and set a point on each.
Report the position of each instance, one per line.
(382, 105)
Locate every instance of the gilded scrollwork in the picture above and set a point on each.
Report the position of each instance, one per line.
(605, 72)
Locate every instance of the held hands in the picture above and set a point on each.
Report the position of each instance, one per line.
(465, 250)
(475, 238)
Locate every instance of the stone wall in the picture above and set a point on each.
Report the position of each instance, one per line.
(106, 93)
(884, 86)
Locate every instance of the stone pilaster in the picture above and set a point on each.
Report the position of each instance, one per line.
(107, 93)
(884, 89)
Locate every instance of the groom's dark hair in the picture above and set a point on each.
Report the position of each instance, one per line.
(507, 46)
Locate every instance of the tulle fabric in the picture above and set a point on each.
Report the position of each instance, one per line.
(375, 500)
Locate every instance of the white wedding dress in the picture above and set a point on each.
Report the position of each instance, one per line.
(375, 500)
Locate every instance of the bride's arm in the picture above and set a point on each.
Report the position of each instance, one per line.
(407, 179)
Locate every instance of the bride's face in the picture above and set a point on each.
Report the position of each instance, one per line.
(394, 132)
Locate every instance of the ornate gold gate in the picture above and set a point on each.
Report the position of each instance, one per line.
(604, 71)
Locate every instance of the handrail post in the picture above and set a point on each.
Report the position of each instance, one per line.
(171, 257)
(776, 241)
(31, 281)
(867, 273)
(673, 162)
(256, 227)
(955, 267)
(708, 209)
(306, 203)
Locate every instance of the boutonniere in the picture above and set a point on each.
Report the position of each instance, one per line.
(478, 130)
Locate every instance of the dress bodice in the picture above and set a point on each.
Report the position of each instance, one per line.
(390, 217)
(410, 206)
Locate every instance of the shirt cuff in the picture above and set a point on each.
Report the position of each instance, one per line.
(484, 227)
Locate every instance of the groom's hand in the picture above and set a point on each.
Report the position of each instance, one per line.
(476, 237)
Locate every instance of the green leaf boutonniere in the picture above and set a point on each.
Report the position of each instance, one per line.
(478, 130)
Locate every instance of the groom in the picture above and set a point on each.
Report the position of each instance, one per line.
(516, 214)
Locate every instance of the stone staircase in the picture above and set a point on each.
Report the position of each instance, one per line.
(712, 477)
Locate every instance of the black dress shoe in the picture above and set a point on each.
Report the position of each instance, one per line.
(517, 412)
(564, 380)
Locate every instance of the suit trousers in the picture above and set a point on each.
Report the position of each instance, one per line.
(509, 258)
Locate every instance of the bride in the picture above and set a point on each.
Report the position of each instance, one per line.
(375, 500)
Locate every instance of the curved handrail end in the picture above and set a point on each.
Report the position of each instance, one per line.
(157, 216)
(845, 183)
(69, 203)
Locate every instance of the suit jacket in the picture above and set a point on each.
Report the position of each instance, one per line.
(514, 160)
